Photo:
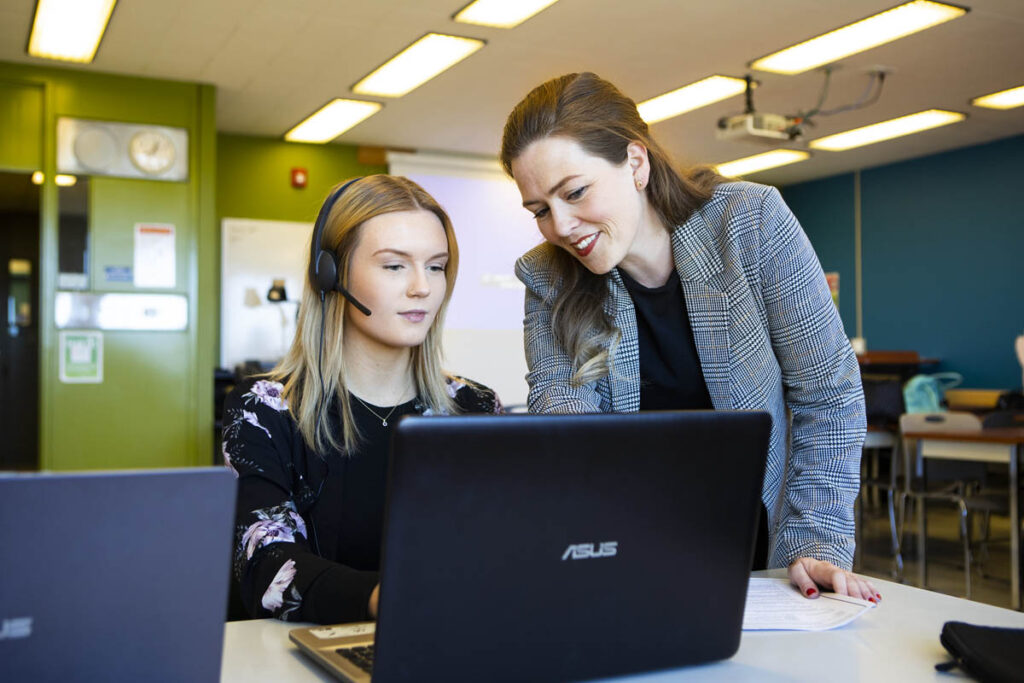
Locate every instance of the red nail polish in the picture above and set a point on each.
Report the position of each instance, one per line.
(878, 595)
(871, 600)
(811, 591)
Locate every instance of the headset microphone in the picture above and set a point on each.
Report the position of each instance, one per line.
(323, 263)
(352, 300)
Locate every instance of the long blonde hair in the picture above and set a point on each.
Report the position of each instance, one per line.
(301, 370)
(593, 112)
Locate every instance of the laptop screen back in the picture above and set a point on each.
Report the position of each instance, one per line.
(549, 547)
(114, 575)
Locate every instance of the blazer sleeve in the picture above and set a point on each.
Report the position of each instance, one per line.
(549, 365)
(278, 573)
(823, 394)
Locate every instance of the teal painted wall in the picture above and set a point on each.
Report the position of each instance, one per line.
(943, 255)
(154, 407)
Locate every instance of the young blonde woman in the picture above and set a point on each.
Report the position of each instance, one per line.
(662, 290)
(309, 441)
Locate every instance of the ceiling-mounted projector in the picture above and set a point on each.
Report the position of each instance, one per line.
(758, 127)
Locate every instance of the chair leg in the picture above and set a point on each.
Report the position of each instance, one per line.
(965, 534)
(874, 477)
(897, 535)
(986, 529)
(896, 464)
(922, 530)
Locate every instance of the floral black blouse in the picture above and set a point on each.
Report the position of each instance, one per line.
(308, 529)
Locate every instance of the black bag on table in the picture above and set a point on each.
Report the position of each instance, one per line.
(987, 653)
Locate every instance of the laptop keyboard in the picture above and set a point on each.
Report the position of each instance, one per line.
(360, 656)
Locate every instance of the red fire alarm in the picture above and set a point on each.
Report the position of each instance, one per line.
(299, 177)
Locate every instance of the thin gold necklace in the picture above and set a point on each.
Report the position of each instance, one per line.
(383, 420)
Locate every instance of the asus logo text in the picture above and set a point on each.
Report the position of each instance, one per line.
(585, 551)
(18, 627)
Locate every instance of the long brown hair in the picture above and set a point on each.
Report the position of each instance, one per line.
(301, 370)
(593, 112)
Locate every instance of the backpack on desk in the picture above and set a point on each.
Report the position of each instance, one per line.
(1011, 400)
(926, 393)
(987, 653)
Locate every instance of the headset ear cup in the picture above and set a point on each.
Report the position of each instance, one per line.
(326, 271)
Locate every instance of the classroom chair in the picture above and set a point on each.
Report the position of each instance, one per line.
(950, 481)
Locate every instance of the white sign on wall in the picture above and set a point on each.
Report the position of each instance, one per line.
(154, 263)
(81, 356)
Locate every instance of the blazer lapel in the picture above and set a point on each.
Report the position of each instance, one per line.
(624, 378)
(699, 264)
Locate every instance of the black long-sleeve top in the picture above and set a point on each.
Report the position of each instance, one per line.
(670, 371)
(308, 528)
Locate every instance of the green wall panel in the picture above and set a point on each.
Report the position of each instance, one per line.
(21, 109)
(117, 205)
(138, 100)
(254, 176)
(139, 415)
(154, 407)
(205, 271)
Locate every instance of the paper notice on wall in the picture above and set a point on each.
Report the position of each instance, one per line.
(833, 286)
(154, 255)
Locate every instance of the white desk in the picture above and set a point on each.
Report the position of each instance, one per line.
(897, 641)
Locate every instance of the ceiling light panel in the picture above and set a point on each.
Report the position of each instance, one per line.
(501, 13)
(1004, 99)
(887, 130)
(761, 162)
(333, 119)
(417, 64)
(69, 30)
(690, 97)
(859, 36)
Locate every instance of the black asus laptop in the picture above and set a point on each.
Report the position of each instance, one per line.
(554, 548)
(114, 576)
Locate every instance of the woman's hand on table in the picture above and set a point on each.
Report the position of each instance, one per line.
(809, 574)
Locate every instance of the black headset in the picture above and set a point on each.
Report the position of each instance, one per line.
(323, 263)
(323, 276)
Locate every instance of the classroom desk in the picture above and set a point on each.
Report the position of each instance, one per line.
(899, 640)
(904, 364)
(999, 445)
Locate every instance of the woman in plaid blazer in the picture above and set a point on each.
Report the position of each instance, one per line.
(766, 333)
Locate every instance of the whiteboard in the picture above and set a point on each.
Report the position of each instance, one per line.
(254, 253)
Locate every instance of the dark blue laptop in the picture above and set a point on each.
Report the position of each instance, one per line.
(559, 547)
(114, 576)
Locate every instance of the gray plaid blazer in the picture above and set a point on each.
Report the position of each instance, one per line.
(768, 337)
